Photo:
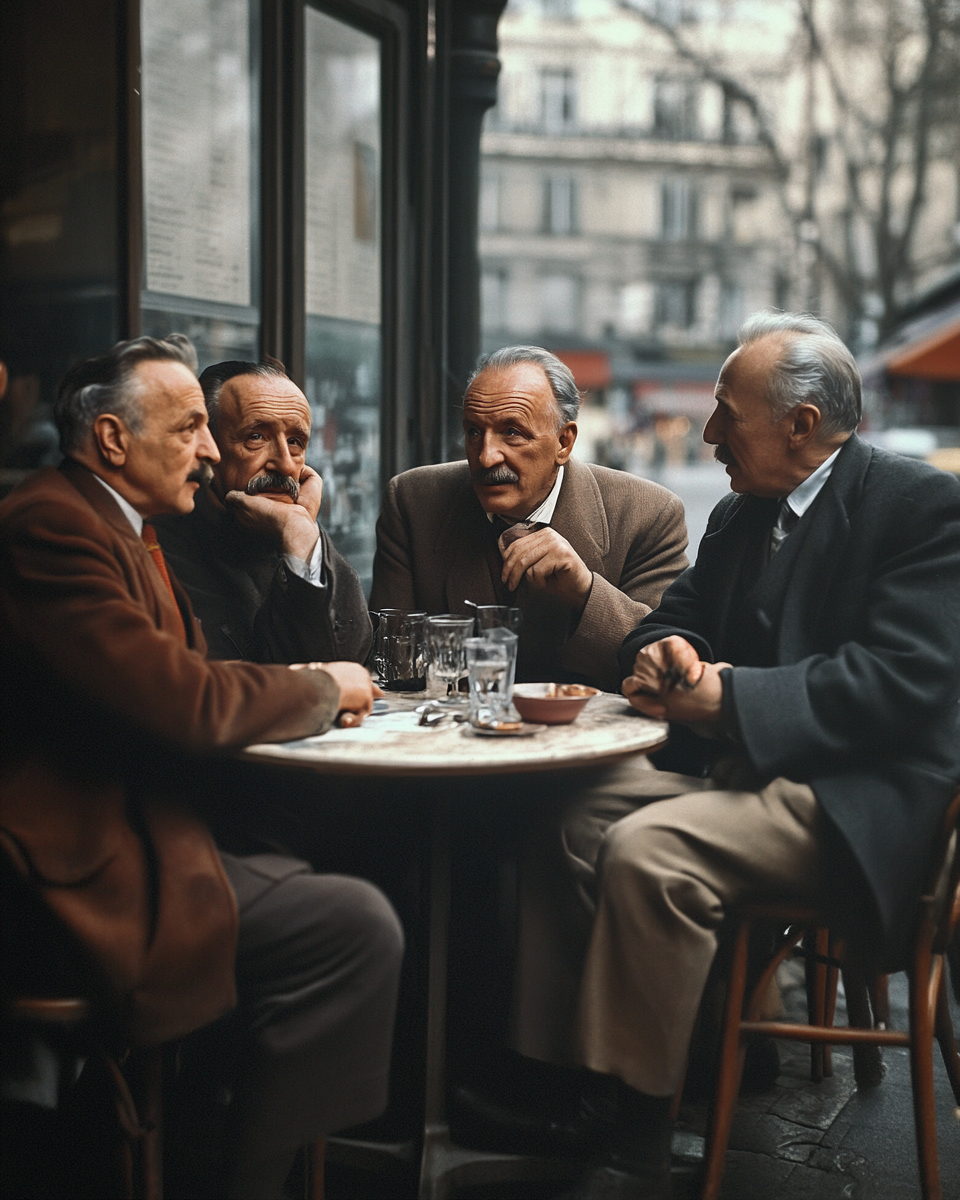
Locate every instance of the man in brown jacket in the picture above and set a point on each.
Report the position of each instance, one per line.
(107, 697)
(583, 551)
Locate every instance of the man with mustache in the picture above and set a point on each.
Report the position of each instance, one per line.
(265, 581)
(582, 550)
(809, 665)
(110, 707)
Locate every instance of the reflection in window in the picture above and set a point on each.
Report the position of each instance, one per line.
(343, 279)
(559, 204)
(58, 218)
(199, 173)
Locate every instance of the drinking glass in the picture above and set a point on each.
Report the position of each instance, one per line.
(400, 655)
(491, 663)
(446, 635)
(498, 616)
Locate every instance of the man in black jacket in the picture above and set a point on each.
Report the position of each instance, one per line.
(263, 577)
(809, 664)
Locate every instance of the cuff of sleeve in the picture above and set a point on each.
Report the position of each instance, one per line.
(310, 569)
(328, 698)
(728, 711)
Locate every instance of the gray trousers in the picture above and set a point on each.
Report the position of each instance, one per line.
(622, 893)
(318, 964)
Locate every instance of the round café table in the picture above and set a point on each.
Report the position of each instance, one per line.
(392, 745)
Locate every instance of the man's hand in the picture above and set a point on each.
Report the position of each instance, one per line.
(293, 525)
(548, 561)
(671, 683)
(357, 689)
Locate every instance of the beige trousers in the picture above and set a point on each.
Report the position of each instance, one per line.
(620, 904)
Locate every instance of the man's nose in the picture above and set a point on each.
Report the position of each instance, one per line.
(281, 459)
(490, 451)
(207, 450)
(711, 431)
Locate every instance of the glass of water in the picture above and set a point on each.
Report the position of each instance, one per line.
(446, 636)
(491, 663)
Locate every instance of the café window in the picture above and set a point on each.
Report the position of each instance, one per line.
(343, 277)
(200, 101)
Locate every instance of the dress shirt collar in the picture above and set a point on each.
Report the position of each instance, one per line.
(126, 508)
(805, 493)
(544, 514)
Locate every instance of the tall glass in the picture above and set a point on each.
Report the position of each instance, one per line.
(498, 616)
(491, 663)
(400, 653)
(446, 635)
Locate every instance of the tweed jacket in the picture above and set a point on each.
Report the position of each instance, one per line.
(436, 549)
(102, 703)
(250, 605)
(849, 642)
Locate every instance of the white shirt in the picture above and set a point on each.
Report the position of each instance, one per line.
(800, 499)
(544, 513)
(311, 570)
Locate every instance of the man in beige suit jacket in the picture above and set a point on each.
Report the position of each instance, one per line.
(596, 548)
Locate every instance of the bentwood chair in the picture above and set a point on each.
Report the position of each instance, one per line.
(937, 922)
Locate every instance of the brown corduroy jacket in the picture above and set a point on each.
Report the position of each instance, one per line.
(436, 549)
(100, 696)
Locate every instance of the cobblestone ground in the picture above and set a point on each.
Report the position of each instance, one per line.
(799, 1141)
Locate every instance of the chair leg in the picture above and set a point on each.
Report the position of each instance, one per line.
(316, 1154)
(817, 1000)
(947, 1039)
(921, 1070)
(868, 1067)
(880, 1001)
(731, 1068)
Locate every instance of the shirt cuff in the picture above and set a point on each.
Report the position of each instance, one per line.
(312, 569)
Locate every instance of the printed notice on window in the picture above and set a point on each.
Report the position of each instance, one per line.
(197, 111)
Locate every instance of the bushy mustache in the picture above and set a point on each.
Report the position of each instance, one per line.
(496, 475)
(723, 455)
(202, 475)
(273, 481)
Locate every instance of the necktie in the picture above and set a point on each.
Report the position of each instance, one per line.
(786, 522)
(149, 536)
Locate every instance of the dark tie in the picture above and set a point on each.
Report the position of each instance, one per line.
(149, 535)
(786, 522)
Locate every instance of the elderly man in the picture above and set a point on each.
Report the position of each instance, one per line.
(812, 657)
(264, 579)
(583, 551)
(107, 704)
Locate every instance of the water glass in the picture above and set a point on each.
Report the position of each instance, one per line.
(498, 616)
(400, 653)
(491, 663)
(446, 635)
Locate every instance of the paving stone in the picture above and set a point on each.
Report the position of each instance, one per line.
(763, 1133)
(754, 1176)
(817, 1105)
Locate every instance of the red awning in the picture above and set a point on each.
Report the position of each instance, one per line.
(934, 357)
(591, 368)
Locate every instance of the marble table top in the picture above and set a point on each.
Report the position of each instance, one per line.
(392, 744)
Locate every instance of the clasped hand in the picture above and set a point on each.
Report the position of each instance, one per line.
(293, 524)
(357, 689)
(671, 683)
(548, 561)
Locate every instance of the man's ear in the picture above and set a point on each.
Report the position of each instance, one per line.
(112, 439)
(804, 422)
(566, 437)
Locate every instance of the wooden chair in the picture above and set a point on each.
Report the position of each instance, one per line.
(938, 918)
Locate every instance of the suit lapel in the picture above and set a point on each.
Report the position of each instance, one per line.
(580, 516)
(722, 556)
(469, 570)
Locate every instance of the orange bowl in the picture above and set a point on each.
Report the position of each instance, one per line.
(551, 703)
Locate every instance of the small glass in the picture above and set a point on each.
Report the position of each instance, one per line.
(446, 635)
(400, 655)
(498, 616)
(491, 664)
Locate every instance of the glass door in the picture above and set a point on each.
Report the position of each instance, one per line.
(343, 205)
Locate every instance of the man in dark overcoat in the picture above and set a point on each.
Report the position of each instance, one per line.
(809, 664)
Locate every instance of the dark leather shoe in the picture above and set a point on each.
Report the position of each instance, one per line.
(610, 1183)
(482, 1122)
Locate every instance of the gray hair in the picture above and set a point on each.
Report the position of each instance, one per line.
(108, 384)
(814, 368)
(213, 378)
(558, 374)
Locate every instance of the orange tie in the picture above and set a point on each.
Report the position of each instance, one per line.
(149, 536)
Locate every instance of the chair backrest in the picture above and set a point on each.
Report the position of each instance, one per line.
(942, 895)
